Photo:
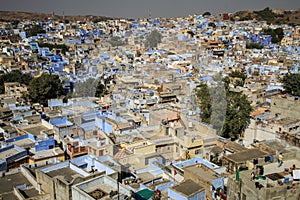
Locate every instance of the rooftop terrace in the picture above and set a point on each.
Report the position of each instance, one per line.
(187, 188)
(66, 172)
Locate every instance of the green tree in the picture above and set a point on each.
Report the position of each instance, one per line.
(64, 48)
(291, 84)
(212, 24)
(242, 77)
(14, 76)
(153, 39)
(191, 33)
(266, 14)
(205, 103)
(276, 34)
(237, 115)
(253, 45)
(228, 112)
(34, 30)
(45, 87)
(206, 14)
(100, 90)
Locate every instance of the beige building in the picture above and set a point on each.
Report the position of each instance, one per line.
(14, 89)
(285, 106)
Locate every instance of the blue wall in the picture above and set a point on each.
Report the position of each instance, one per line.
(104, 125)
(45, 144)
(218, 183)
(3, 165)
(21, 153)
(22, 137)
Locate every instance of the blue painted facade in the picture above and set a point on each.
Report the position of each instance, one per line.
(22, 137)
(40, 145)
(61, 122)
(218, 183)
(103, 124)
(45, 144)
(22, 153)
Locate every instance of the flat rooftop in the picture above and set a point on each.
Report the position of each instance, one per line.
(246, 155)
(235, 147)
(166, 114)
(187, 188)
(102, 191)
(36, 130)
(66, 172)
(273, 167)
(276, 146)
(8, 196)
(9, 181)
(273, 173)
(48, 153)
(29, 193)
(8, 153)
(23, 142)
(202, 172)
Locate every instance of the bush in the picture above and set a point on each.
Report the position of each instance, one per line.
(253, 45)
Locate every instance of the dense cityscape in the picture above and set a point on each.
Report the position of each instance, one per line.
(199, 107)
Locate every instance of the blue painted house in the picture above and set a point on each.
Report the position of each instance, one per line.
(29, 140)
(11, 157)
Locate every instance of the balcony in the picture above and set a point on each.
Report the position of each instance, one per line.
(77, 151)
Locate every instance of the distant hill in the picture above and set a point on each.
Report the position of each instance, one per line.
(275, 16)
(12, 15)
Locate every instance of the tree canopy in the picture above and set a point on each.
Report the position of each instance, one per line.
(266, 14)
(228, 112)
(212, 24)
(291, 84)
(14, 76)
(100, 90)
(242, 77)
(276, 34)
(153, 39)
(206, 14)
(64, 48)
(34, 30)
(45, 87)
(237, 115)
(253, 45)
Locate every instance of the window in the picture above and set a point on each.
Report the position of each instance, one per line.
(198, 151)
(100, 152)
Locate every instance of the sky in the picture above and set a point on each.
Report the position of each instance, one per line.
(140, 8)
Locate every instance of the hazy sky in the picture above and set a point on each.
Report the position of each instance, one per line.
(140, 8)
